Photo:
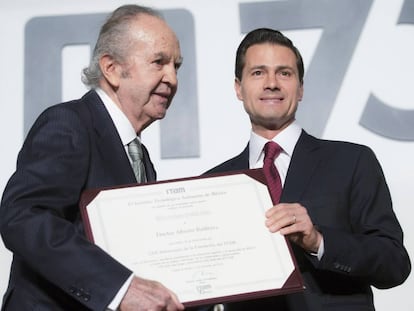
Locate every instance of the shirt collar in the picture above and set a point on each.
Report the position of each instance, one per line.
(286, 139)
(123, 126)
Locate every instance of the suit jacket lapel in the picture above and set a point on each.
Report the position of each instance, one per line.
(241, 162)
(149, 167)
(108, 142)
(302, 166)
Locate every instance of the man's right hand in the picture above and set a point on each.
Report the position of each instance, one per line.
(145, 294)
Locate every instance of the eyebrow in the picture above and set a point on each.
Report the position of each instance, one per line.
(178, 62)
(262, 67)
(258, 67)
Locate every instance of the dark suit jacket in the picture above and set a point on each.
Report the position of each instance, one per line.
(71, 147)
(344, 190)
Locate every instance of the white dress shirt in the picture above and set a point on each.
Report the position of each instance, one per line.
(287, 140)
(127, 134)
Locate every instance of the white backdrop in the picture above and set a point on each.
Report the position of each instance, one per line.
(381, 63)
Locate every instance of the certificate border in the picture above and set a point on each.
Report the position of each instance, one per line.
(293, 284)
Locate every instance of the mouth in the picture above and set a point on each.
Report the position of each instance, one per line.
(165, 94)
(272, 99)
(163, 91)
(164, 97)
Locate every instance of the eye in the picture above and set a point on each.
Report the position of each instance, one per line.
(285, 73)
(257, 73)
(177, 66)
(158, 61)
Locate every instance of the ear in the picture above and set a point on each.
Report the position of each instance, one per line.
(237, 88)
(111, 70)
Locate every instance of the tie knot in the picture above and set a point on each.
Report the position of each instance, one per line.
(135, 150)
(271, 150)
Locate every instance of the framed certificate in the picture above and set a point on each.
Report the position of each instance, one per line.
(202, 237)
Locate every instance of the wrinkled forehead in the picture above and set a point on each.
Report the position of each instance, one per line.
(147, 27)
(155, 32)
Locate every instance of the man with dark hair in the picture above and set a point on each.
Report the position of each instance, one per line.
(83, 144)
(335, 207)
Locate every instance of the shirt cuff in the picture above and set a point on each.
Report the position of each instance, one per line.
(321, 250)
(114, 305)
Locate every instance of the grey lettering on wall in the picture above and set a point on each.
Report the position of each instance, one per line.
(379, 117)
(45, 38)
(341, 22)
(180, 132)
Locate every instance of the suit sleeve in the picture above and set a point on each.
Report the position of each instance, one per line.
(39, 216)
(371, 249)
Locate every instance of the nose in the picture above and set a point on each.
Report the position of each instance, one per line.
(170, 75)
(271, 82)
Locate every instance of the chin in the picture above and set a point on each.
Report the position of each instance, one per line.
(159, 111)
(160, 115)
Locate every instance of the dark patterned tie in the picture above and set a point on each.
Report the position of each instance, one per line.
(274, 184)
(135, 152)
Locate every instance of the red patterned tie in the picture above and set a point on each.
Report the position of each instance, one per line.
(272, 150)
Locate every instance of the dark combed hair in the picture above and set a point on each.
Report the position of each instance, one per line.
(265, 35)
